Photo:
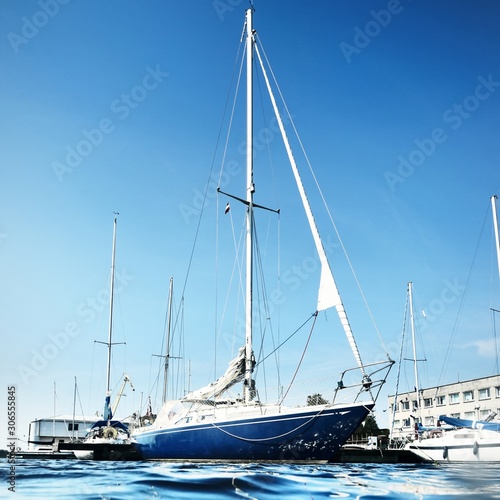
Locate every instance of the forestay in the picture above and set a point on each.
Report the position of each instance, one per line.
(328, 294)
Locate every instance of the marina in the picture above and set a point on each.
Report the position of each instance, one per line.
(269, 179)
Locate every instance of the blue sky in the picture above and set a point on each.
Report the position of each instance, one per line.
(117, 107)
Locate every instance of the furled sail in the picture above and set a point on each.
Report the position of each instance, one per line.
(234, 374)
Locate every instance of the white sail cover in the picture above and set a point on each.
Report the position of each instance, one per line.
(234, 374)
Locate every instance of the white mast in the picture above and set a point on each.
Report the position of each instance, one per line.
(412, 323)
(495, 227)
(111, 298)
(249, 222)
(167, 349)
(74, 410)
(54, 415)
(108, 415)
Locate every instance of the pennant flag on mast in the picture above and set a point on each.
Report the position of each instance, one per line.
(228, 207)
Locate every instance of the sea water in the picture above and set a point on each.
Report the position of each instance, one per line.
(65, 479)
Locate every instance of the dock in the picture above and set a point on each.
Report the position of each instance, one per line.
(105, 451)
(45, 455)
(356, 454)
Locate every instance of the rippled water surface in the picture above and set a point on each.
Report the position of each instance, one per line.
(127, 480)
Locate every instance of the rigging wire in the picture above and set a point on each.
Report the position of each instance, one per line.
(223, 160)
(155, 385)
(208, 184)
(495, 342)
(262, 299)
(394, 406)
(301, 359)
(237, 266)
(322, 197)
(495, 262)
(117, 296)
(287, 339)
(237, 246)
(461, 305)
(420, 328)
(275, 192)
(91, 374)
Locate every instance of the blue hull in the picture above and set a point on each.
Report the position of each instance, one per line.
(295, 436)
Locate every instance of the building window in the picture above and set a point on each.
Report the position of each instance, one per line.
(406, 422)
(469, 415)
(72, 427)
(454, 398)
(484, 393)
(455, 415)
(483, 414)
(440, 400)
(497, 392)
(405, 405)
(427, 402)
(468, 396)
(429, 421)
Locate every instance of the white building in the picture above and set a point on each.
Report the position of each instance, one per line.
(45, 433)
(471, 399)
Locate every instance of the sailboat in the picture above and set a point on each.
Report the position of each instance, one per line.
(107, 438)
(207, 424)
(463, 440)
(401, 441)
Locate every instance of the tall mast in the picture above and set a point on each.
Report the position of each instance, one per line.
(74, 409)
(495, 227)
(167, 349)
(54, 414)
(108, 414)
(249, 221)
(111, 298)
(412, 323)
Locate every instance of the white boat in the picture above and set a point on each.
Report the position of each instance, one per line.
(458, 445)
(467, 440)
(209, 424)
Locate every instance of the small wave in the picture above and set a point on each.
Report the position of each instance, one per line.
(65, 479)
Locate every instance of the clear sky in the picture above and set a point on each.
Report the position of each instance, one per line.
(116, 106)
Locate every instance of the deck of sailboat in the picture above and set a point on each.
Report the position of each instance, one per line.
(239, 414)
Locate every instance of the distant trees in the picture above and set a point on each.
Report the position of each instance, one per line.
(316, 399)
(369, 427)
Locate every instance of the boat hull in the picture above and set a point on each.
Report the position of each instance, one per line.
(104, 449)
(300, 434)
(463, 445)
